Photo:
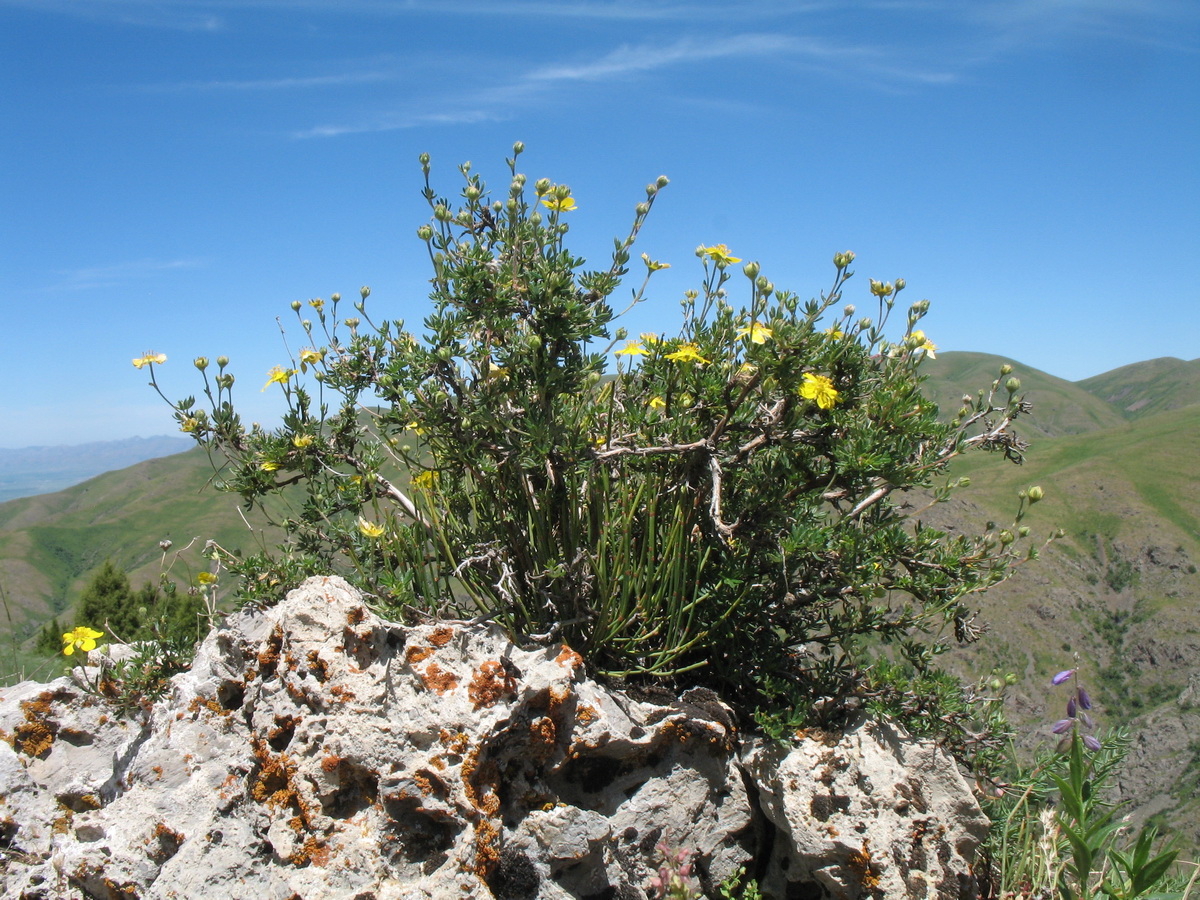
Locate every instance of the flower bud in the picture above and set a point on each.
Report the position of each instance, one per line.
(364, 292)
(445, 353)
(622, 333)
(864, 324)
(352, 323)
(641, 209)
(1035, 493)
(899, 285)
(562, 191)
(201, 363)
(1023, 531)
(1006, 537)
(296, 306)
(472, 192)
(222, 361)
(424, 158)
(425, 232)
(1012, 385)
(518, 148)
(849, 311)
(441, 212)
(1006, 369)
(750, 270)
(533, 342)
(662, 181)
(542, 186)
(535, 218)
(996, 684)
(881, 288)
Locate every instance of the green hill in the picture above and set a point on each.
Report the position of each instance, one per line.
(1150, 387)
(1059, 406)
(50, 544)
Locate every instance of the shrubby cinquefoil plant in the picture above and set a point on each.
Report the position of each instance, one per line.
(730, 504)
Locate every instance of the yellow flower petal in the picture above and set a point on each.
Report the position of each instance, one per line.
(149, 359)
(719, 254)
(820, 390)
(758, 333)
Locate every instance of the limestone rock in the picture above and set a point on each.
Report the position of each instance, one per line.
(317, 751)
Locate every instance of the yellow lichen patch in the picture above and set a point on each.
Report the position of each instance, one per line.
(543, 737)
(438, 679)
(440, 637)
(418, 654)
(311, 851)
(487, 854)
(861, 864)
(208, 703)
(490, 683)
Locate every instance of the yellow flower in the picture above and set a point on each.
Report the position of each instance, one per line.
(495, 371)
(687, 353)
(310, 356)
(919, 342)
(150, 358)
(415, 428)
(206, 578)
(425, 480)
(277, 375)
(653, 264)
(558, 204)
(190, 424)
(301, 441)
(819, 389)
(318, 304)
(834, 332)
(758, 333)
(81, 638)
(719, 254)
(369, 529)
(658, 403)
(633, 348)
(268, 465)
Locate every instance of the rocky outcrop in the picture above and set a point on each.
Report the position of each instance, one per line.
(317, 751)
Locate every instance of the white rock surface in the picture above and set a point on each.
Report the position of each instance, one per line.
(315, 751)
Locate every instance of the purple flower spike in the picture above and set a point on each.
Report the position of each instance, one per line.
(1071, 707)
(1084, 700)
(1062, 726)
(1062, 676)
(1090, 742)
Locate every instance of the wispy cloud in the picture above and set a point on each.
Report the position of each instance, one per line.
(860, 63)
(121, 273)
(346, 79)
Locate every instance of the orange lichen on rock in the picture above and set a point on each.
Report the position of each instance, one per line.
(355, 616)
(586, 715)
(569, 658)
(318, 666)
(487, 854)
(35, 736)
(268, 657)
(311, 851)
(861, 864)
(490, 683)
(441, 637)
(438, 679)
(543, 737)
(418, 654)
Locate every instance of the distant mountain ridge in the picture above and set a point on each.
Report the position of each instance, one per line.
(28, 471)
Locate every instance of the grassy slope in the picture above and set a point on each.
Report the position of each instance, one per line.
(50, 544)
(1145, 388)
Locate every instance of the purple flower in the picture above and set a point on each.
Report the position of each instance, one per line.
(1090, 742)
(1062, 726)
(1062, 676)
(1084, 700)
(1071, 707)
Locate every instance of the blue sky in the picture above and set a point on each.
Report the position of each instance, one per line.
(174, 174)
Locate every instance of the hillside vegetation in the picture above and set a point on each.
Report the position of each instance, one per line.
(1115, 455)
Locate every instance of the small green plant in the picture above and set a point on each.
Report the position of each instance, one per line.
(1056, 833)
(735, 504)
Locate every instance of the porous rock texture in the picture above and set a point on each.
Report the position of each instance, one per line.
(317, 751)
